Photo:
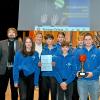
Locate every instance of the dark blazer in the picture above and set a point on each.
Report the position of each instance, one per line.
(4, 55)
(0, 53)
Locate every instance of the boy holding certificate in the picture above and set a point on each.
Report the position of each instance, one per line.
(48, 70)
(66, 70)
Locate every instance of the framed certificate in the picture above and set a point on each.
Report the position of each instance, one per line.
(46, 61)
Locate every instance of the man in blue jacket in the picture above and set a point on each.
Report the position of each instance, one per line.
(89, 84)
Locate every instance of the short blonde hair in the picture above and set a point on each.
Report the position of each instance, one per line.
(81, 37)
(38, 33)
(13, 29)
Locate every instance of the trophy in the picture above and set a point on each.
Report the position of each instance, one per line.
(82, 72)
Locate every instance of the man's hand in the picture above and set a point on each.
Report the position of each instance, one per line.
(89, 74)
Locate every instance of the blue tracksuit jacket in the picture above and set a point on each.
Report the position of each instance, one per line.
(53, 73)
(28, 64)
(66, 67)
(92, 63)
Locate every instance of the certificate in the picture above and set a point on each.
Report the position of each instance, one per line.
(46, 61)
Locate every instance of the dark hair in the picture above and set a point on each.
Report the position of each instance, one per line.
(24, 52)
(88, 34)
(61, 33)
(65, 43)
(47, 36)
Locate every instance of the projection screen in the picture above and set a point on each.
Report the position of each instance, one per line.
(67, 15)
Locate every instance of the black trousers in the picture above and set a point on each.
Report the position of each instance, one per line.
(4, 79)
(47, 83)
(40, 86)
(65, 93)
(2, 87)
(75, 91)
(26, 87)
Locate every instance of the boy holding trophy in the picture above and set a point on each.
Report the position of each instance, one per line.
(88, 69)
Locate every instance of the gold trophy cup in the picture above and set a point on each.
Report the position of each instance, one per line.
(82, 72)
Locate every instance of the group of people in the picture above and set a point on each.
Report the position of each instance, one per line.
(22, 64)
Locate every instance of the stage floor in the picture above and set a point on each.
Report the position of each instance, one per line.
(35, 94)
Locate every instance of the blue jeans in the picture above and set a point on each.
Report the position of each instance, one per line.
(86, 87)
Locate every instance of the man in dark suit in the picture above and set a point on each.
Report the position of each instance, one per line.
(0, 53)
(8, 49)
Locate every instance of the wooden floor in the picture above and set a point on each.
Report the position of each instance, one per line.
(9, 98)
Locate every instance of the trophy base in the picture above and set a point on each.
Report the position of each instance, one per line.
(82, 74)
